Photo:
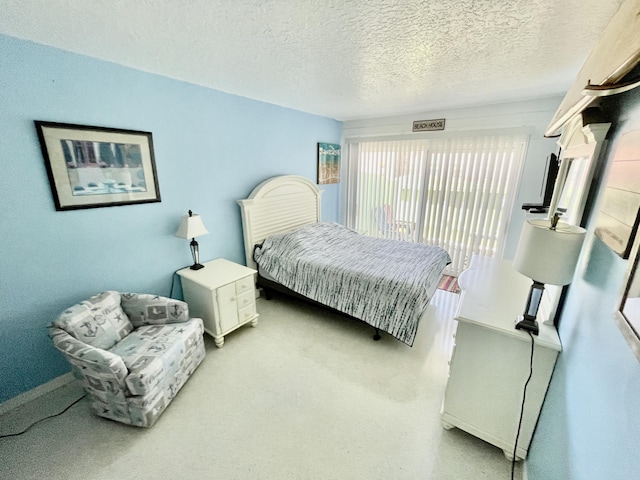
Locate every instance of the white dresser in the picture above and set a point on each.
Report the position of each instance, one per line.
(222, 294)
(490, 361)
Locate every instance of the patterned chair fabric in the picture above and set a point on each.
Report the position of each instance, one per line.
(131, 352)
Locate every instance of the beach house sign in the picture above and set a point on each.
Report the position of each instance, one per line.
(428, 125)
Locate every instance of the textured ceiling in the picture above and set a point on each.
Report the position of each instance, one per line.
(344, 59)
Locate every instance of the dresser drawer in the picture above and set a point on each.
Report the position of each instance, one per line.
(246, 299)
(247, 313)
(245, 285)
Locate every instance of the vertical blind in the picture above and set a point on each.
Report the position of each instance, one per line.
(455, 192)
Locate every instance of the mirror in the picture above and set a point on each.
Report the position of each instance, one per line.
(628, 317)
(571, 202)
(624, 176)
(631, 305)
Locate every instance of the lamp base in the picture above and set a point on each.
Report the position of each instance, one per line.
(196, 266)
(523, 323)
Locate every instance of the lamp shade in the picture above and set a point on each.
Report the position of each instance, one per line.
(546, 255)
(191, 226)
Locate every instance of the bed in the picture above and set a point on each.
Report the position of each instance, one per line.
(385, 283)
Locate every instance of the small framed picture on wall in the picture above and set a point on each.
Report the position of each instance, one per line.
(328, 163)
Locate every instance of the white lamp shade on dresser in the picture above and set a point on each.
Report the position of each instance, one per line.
(548, 255)
(191, 226)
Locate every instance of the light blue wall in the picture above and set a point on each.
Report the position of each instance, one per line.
(589, 428)
(211, 149)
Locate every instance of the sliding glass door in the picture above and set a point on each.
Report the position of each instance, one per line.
(455, 192)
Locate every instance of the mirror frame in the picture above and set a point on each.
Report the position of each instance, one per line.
(579, 139)
(630, 335)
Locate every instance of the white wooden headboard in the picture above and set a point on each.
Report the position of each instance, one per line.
(277, 205)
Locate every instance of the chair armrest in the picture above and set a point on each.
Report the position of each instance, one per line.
(89, 360)
(146, 309)
(145, 375)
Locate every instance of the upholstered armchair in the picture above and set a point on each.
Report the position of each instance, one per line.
(131, 352)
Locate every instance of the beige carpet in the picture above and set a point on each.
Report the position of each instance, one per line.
(304, 395)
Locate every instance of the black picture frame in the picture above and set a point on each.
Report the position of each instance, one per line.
(94, 167)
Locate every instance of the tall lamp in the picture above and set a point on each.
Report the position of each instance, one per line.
(190, 227)
(547, 253)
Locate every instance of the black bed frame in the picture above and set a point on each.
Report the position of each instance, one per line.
(269, 286)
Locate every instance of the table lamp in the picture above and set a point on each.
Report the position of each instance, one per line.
(190, 227)
(547, 253)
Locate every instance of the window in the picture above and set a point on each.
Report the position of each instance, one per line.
(455, 192)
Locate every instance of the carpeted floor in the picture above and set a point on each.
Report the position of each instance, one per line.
(307, 395)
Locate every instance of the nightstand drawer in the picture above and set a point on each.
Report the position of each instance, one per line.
(247, 313)
(245, 285)
(246, 299)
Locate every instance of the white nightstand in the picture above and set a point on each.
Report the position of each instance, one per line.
(490, 360)
(222, 294)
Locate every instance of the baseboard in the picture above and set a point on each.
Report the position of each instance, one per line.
(32, 394)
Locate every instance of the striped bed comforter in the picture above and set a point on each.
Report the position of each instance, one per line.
(385, 283)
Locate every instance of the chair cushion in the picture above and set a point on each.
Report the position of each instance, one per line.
(98, 321)
(156, 355)
(147, 309)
